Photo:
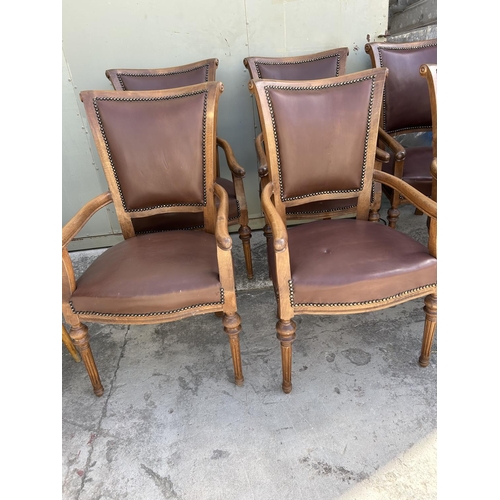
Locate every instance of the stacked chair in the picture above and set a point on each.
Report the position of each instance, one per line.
(145, 139)
(180, 76)
(406, 110)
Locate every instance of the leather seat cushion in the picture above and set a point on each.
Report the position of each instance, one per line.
(151, 273)
(186, 220)
(345, 261)
(417, 168)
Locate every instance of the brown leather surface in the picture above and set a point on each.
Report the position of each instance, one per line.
(149, 175)
(417, 168)
(406, 94)
(322, 206)
(317, 152)
(344, 261)
(151, 273)
(312, 70)
(185, 220)
(147, 81)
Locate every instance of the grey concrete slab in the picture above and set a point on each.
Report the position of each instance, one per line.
(360, 422)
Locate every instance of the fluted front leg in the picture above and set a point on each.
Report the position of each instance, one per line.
(245, 234)
(80, 337)
(430, 309)
(69, 344)
(232, 326)
(286, 335)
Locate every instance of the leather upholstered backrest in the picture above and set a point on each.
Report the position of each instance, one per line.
(309, 67)
(406, 103)
(157, 147)
(321, 135)
(163, 78)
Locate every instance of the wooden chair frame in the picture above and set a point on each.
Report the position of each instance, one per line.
(215, 222)
(275, 211)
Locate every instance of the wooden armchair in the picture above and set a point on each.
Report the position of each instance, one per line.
(405, 110)
(180, 76)
(145, 141)
(336, 266)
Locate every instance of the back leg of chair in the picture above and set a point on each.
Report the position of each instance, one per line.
(245, 234)
(69, 344)
(430, 309)
(285, 332)
(80, 336)
(232, 326)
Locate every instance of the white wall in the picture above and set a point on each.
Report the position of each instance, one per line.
(102, 34)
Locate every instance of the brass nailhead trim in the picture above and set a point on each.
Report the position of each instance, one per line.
(306, 212)
(145, 315)
(384, 105)
(166, 98)
(351, 304)
(320, 87)
(191, 228)
(282, 63)
(167, 73)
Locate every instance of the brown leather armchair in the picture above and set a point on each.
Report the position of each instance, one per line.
(179, 76)
(336, 266)
(405, 110)
(145, 140)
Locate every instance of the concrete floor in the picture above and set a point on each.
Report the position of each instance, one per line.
(360, 422)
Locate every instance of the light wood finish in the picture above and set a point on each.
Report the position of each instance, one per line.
(69, 345)
(413, 102)
(429, 72)
(275, 202)
(171, 77)
(215, 218)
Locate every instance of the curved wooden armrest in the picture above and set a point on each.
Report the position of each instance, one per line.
(399, 151)
(278, 228)
(415, 197)
(261, 155)
(75, 224)
(382, 156)
(434, 168)
(233, 165)
(224, 241)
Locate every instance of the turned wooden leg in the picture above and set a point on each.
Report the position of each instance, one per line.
(430, 309)
(392, 216)
(69, 344)
(245, 234)
(286, 335)
(374, 216)
(232, 326)
(80, 337)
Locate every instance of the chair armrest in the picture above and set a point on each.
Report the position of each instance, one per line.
(75, 224)
(278, 228)
(224, 241)
(398, 150)
(261, 155)
(382, 156)
(413, 195)
(235, 168)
